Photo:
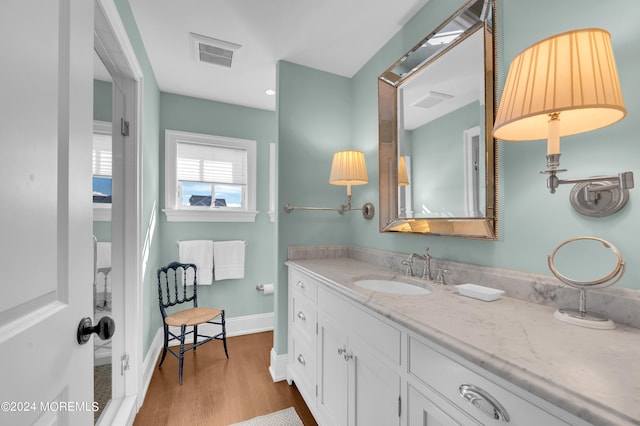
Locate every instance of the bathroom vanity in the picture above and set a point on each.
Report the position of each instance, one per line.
(364, 357)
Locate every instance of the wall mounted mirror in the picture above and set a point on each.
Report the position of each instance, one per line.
(436, 109)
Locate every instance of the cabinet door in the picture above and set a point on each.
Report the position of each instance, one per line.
(333, 370)
(376, 388)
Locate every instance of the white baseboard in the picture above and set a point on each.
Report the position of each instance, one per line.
(278, 367)
(149, 364)
(235, 327)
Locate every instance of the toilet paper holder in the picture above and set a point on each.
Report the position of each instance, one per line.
(268, 287)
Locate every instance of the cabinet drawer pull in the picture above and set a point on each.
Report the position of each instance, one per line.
(300, 284)
(347, 357)
(484, 402)
(301, 316)
(342, 351)
(301, 359)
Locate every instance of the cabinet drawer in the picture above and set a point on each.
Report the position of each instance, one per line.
(429, 409)
(303, 284)
(303, 316)
(446, 377)
(379, 335)
(303, 366)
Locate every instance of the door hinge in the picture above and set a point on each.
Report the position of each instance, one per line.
(316, 390)
(316, 327)
(399, 406)
(124, 127)
(124, 363)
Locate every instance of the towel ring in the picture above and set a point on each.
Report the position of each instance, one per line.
(580, 316)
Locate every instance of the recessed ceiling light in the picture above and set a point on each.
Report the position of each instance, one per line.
(270, 92)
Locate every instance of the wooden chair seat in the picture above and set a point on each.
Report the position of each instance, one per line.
(192, 316)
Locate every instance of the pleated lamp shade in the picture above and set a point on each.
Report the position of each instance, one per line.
(348, 168)
(573, 74)
(403, 177)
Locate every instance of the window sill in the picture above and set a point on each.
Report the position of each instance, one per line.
(102, 212)
(175, 215)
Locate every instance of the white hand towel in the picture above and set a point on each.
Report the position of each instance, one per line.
(228, 258)
(103, 255)
(200, 253)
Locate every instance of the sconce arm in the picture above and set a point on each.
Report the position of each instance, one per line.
(622, 180)
(290, 207)
(367, 209)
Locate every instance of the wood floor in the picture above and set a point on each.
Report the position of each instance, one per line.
(217, 391)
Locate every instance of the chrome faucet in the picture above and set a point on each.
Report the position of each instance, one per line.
(426, 269)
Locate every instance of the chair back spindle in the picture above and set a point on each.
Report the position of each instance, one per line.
(174, 283)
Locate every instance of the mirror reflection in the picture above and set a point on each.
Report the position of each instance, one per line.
(441, 117)
(585, 260)
(437, 155)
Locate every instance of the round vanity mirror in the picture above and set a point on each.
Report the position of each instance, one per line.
(589, 262)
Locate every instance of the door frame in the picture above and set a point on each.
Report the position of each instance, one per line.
(127, 215)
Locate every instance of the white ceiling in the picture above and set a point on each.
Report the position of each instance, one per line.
(337, 36)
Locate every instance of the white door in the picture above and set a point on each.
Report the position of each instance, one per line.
(45, 211)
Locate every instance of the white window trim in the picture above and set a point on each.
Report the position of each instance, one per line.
(102, 212)
(172, 207)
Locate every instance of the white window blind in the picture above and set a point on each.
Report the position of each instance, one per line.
(101, 155)
(213, 164)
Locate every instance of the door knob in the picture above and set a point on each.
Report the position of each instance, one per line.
(104, 329)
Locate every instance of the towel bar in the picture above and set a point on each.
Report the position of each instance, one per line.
(245, 243)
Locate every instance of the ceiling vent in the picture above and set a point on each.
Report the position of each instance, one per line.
(432, 99)
(212, 51)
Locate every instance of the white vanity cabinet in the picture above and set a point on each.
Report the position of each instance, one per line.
(355, 367)
(343, 360)
(301, 367)
(356, 384)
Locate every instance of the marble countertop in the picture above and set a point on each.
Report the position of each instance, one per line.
(593, 374)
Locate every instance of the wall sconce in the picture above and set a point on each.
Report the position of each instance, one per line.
(348, 168)
(565, 85)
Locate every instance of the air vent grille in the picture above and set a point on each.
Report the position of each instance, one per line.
(213, 51)
(432, 99)
(215, 55)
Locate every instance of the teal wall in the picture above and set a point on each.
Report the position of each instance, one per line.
(102, 100)
(237, 297)
(150, 129)
(313, 114)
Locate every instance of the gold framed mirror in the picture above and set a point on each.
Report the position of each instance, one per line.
(437, 156)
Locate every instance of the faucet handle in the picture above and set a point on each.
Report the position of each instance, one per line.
(408, 263)
(440, 277)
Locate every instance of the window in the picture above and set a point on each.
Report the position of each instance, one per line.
(209, 178)
(101, 169)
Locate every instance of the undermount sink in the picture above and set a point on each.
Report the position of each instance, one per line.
(390, 286)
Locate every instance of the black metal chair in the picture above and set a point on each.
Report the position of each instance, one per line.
(177, 284)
